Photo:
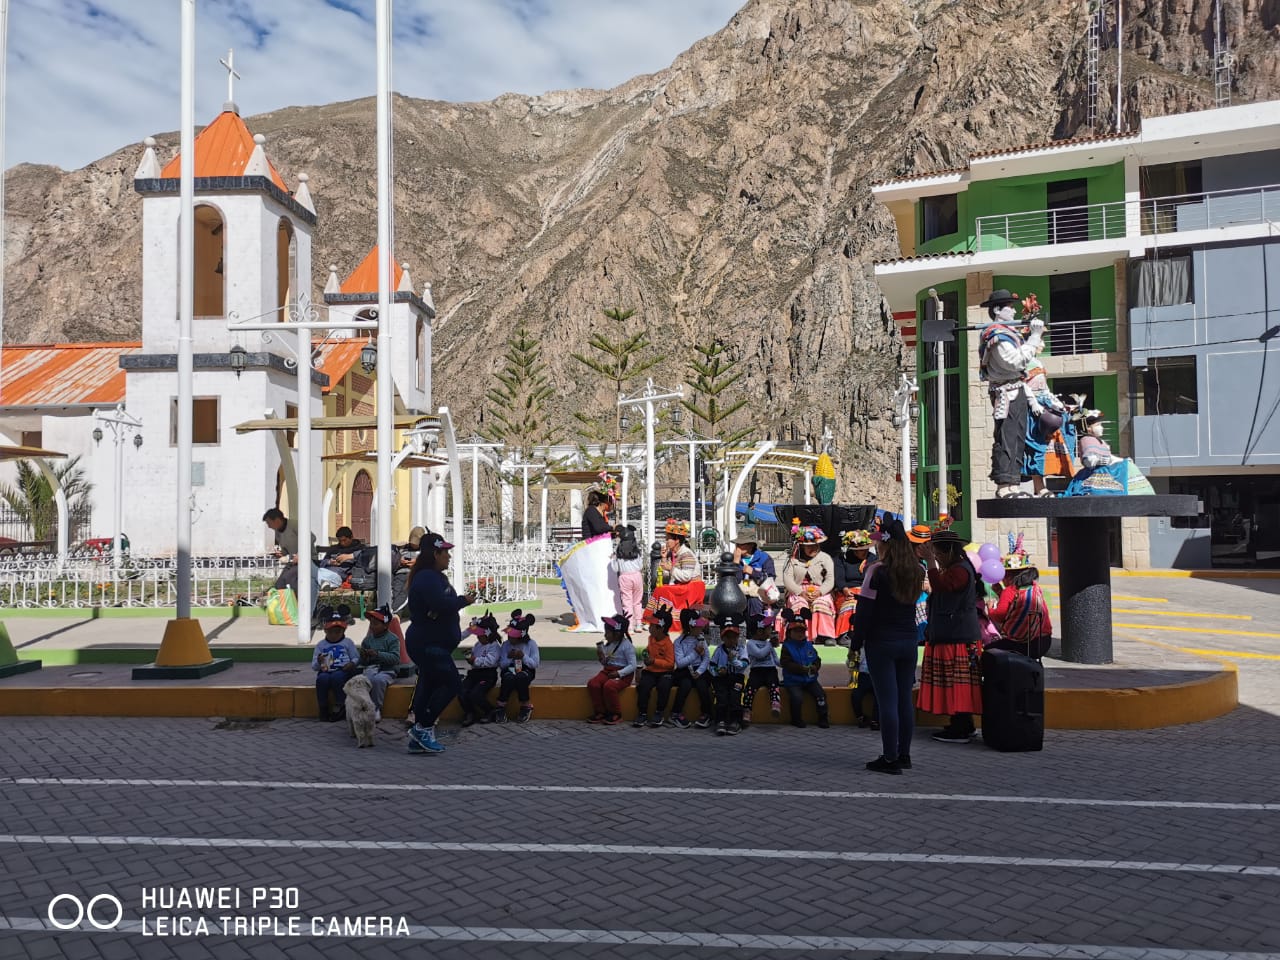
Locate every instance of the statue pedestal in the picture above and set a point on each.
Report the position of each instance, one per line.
(1084, 570)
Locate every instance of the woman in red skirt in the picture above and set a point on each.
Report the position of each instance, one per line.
(678, 571)
(950, 682)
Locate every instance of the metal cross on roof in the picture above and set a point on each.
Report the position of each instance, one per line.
(232, 76)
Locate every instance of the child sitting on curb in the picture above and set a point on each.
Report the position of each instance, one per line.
(659, 666)
(692, 660)
(617, 669)
(729, 672)
(800, 666)
(762, 660)
(335, 661)
(518, 666)
(484, 659)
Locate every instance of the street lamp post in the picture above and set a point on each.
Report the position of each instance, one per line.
(647, 400)
(304, 317)
(122, 425)
(385, 393)
(473, 445)
(693, 442)
(905, 410)
(524, 492)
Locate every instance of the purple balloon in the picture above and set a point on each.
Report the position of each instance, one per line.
(989, 551)
(993, 571)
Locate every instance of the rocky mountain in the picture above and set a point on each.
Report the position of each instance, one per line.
(727, 194)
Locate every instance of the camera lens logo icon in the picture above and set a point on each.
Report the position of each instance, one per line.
(90, 911)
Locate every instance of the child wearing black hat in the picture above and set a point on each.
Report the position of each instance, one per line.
(335, 661)
(692, 662)
(484, 659)
(762, 660)
(659, 667)
(617, 667)
(519, 664)
(729, 674)
(800, 666)
(380, 655)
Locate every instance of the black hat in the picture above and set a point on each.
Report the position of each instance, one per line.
(662, 615)
(382, 614)
(693, 617)
(334, 616)
(760, 621)
(618, 623)
(1000, 298)
(796, 616)
(729, 623)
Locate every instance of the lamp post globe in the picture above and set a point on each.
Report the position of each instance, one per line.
(137, 441)
(97, 434)
(369, 357)
(238, 357)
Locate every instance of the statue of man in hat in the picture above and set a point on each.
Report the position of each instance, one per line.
(1003, 355)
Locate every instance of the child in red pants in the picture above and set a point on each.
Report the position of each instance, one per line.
(617, 670)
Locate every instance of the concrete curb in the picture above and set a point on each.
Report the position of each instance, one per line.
(1134, 708)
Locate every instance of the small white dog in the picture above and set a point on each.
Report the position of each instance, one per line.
(360, 709)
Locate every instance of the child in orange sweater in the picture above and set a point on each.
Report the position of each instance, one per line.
(659, 668)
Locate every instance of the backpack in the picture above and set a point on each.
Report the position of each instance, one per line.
(628, 547)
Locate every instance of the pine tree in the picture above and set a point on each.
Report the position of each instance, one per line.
(617, 361)
(518, 403)
(710, 375)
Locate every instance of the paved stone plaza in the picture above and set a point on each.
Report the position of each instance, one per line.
(566, 840)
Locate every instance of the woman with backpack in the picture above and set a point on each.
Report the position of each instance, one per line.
(628, 565)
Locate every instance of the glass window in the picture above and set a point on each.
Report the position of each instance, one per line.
(940, 217)
(929, 404)
(1169, 386)
(204, 421)
(1161, 281)
(1070, 326)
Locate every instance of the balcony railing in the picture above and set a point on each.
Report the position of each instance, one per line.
(1080, 336)
(1110, 221)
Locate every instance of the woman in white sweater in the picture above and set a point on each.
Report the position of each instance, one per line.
(809, 576)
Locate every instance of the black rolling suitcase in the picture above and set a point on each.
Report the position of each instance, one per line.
(1012, 701)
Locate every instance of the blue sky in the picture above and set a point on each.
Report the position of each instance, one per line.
(86, 77)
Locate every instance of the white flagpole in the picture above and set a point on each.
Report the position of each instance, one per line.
(4, 63)
(186, 304)
(385, 397)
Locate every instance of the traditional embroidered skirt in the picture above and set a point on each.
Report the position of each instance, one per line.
(950, 681)
(847, 600)
(823, 623)
(680, 595)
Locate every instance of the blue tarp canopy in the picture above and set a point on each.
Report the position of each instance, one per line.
(764, 512)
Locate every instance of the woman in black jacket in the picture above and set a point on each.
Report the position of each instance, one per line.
(950, 681)
(885, 624)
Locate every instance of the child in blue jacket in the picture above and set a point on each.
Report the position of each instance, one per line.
(800, 666)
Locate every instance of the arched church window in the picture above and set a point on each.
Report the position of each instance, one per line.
(286, 268)
(422, 351)
(210, 257)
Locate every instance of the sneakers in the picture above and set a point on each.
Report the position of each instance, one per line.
(702, 722)
(499, 715)
(734, 728)
(377, 716)
(596, 718)
(680, 723)
(657, 721)
(640, 720)
(468, 720)
(875, 724)
(823, 722)
(775, 707)
(797, 722)
(423, 740)
(746, 716)
(526, 713)
(863, 723)
(904, 761)
(722, 728)
(881, 765)
(612, 719)
(949, 735)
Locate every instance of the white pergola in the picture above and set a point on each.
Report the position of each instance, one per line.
(41, 458)
(765, 455)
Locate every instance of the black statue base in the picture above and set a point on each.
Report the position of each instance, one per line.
(1084, 569)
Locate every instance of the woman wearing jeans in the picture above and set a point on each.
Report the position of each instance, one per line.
(885, 624)
(434, 633)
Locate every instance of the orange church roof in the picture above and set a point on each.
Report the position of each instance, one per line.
(336, 357)
(63, 374)
(223, 149)
(364, 278)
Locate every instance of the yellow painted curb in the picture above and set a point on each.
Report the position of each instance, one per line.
(1137, 708)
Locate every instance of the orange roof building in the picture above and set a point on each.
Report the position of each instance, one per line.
(64, 374)
(224, 149)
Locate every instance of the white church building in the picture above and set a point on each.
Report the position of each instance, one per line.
(253, 263)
